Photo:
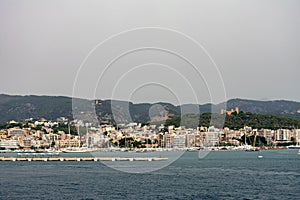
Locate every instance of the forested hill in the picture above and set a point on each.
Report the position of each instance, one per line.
(234, 121)
(277, 107)
(19, 108)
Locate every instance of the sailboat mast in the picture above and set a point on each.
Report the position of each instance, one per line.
(87, 135)
(79, 135)
(245, 136)
(69, 129)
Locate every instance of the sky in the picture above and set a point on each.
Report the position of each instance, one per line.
(151, 51)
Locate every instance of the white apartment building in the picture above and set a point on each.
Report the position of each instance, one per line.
(9, 144)
(283, 135)
(179, 141)
(212, 136)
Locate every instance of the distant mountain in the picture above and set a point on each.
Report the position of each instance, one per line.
(290, 109)
(23, 107)
(19, 108)
(124, 112)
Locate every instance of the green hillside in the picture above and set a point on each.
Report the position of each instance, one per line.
(19, 108)
(234, 121)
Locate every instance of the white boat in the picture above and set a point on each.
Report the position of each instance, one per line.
(294, 146)
(244, 147)
(259, 155)
(299, 152)
(73, 150)
(52, 151)
(77, 150)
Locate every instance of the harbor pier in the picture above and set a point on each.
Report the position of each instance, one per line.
(77, 159)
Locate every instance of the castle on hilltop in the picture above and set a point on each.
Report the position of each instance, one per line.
(229, 112)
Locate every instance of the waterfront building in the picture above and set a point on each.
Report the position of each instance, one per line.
(96, 140)
(160, 139)
(171, 128)
(212, 136)
(248, 130)
(26, 142)
(268, 134)
(67, 143)
(3, 134)
(38, 133)
(297, 135)
(16, 132)
(37, 143)
(9, 144)
(179, 141)
(53, 136)
(283, 135)
(168, 140)
(148, 135)
(190, 140)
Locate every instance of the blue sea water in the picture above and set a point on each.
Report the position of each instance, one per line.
(220, 175)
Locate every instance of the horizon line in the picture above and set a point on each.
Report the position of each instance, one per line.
(157, 102)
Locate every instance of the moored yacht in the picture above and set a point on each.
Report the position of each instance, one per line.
(294, 146)
(77, 150)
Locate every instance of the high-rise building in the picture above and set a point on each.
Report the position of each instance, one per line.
(283, 135)
(179, 141)
(212, 136)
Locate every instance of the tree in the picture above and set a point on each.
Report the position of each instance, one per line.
(52, 144)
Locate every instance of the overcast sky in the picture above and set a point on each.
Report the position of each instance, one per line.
(252, 46)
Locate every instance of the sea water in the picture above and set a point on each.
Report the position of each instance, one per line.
(219, 175)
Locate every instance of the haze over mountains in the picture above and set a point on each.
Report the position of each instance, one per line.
(19, 108)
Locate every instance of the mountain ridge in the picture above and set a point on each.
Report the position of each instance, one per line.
(21, 107)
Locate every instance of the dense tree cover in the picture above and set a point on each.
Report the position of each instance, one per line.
(56, 128)
(65, 128)
(260, 121)
(278, 107)
(128, 142)
(234, 121)
(20, 108)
